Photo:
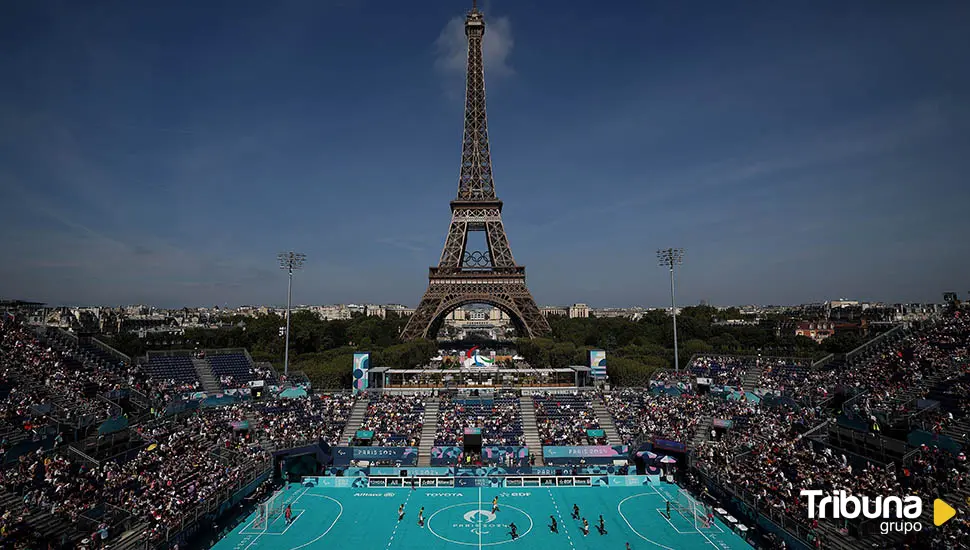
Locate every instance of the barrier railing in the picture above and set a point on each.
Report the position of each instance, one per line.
(110, 350)
(851, 355)
(817, 364)
(212, 504)
(84, 457)
(817, 429)
(800, 530)
(71, 337)
(228, 351)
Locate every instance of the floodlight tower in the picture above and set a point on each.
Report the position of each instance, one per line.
(289, 261)
(669, 257)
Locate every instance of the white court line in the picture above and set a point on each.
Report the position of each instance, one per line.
(708, 539)
(292, 521)
(637, 533)
(713, 521)
(674, 527)
(261, 533)
(470, 504)
(561, 521)
(398, 524)
(340, 513)
(299, 513)
(479, 514)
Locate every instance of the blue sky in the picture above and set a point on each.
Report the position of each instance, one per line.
(164, 152)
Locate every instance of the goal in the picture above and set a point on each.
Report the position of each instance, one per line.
(690, 509)
(273, 507)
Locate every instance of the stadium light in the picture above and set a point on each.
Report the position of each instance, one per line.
(289, 261)
(669, 257)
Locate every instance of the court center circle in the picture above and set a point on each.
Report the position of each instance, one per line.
(474, 515)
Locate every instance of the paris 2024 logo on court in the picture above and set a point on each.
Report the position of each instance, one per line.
(479, 521)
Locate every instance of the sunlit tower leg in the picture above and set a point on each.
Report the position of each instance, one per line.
(289, 261)
(669, 257)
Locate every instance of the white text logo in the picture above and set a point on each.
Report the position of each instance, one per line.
(839, 505)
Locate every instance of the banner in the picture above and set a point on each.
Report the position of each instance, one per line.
(598, 453)
(365, 434)
(595, 433)
(479, 482)
(361, 366)
(413, 471)
(597, 363)
(630, 481)
(405, 455)
(620, 451)
(723, 423)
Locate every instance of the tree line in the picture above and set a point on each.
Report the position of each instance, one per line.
(635, 349)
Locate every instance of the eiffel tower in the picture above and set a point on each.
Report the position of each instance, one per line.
(476, 277)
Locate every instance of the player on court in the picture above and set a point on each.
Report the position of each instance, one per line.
(575, 511)
(515, 531)
(602, 526)
(495, 504)
(400, 513)
(585, 527)
(289, 514)
(554, 527)
(421, 517)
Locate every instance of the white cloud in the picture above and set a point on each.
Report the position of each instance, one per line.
(452, 47)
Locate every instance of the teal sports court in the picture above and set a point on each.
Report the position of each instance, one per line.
(366, 517)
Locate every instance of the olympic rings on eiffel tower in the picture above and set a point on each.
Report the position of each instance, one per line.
(477, 259)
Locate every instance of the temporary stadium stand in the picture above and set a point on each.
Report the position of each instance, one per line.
(727, 370)
(414, 410)
(235, 365)
(562, 410)
(787, 373)
(472, 411)
(171, 367)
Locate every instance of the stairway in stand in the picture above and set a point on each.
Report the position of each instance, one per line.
(606, 422)
(703, 432)
(40, 521)
(209, 382)
(959, 430)
(751, 378)
(834, 539)
(356, 419)
(257, 429)
(134, 538)
(428, 432)
(530, 429)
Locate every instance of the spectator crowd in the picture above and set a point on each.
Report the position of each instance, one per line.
(566, 418)
(498, 417)
(396, 420)
(759, 451)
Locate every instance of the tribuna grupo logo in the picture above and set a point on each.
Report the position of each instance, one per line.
(905, 510)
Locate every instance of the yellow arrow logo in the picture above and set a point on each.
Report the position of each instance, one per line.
(942, 512)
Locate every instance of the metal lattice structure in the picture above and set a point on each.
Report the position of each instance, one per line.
(463, 276)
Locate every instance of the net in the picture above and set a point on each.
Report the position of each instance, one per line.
(696, 513)
(273, 507)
